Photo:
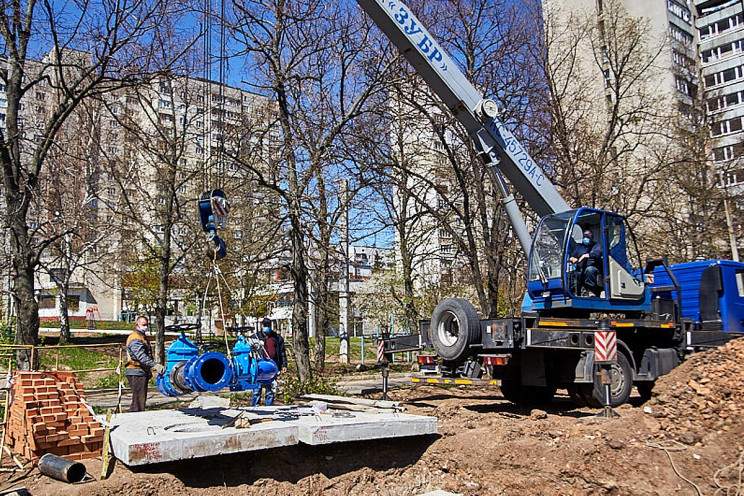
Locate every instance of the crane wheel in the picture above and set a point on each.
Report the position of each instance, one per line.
(454, 327)
(621, 384)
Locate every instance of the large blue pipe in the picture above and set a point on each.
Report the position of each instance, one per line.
(189, 371)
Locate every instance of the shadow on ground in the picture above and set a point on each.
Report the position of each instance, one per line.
(294, 463)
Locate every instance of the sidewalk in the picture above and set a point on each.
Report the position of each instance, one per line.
(355, 385)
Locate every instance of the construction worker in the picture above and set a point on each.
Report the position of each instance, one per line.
(140, 364)
(273, 345)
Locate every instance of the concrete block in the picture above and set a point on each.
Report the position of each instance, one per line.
(358, 426)
(210, 401)
(166, 435)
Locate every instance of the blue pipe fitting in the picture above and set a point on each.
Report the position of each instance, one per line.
(208, 372)
(264, 370)
(188, 371)
(181, 351)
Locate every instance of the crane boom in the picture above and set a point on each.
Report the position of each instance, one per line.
(497, 145)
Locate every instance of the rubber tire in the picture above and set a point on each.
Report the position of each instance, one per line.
(461, 313)
(521, 395)
(622, 377)
(645, 390)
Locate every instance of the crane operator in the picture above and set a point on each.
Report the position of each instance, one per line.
(587, 258)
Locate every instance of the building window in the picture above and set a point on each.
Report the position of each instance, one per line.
(723, 77)
(47, 302)
(721, 26)
(683, 86)
(445, 249)
(679, 35)
(727, 126)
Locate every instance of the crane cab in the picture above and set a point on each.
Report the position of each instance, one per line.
(603, 280)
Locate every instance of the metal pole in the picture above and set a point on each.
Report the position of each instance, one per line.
(362, 348)
(343, 303)
(385, 374)
(730, 225)
(392, 334)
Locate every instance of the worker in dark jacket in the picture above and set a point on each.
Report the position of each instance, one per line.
(273, 345)
(588, 259)
(140, 364)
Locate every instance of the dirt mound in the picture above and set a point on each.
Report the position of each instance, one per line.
(704, 395)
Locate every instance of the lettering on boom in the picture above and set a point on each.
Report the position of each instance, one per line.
(519, 155)
(429, 48)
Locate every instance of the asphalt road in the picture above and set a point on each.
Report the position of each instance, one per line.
(352, 385)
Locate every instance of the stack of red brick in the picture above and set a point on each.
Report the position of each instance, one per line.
(48, 416)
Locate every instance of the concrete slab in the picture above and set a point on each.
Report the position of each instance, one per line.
(167, 435)
(357, 426)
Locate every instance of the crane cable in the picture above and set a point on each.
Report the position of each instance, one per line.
(221, 114)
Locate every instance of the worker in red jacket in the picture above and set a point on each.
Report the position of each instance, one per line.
(274, 349)
(140, 364)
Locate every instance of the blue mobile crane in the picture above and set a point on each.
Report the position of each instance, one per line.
(660, 312)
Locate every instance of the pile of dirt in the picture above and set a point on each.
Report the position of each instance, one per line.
(703, 396)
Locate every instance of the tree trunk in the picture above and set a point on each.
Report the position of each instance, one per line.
(409, 305)
(64, 319)
(300, 342)
(161, 303)
(321, 317)
(27, 311)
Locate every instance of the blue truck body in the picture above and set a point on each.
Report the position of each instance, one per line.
(712, 292)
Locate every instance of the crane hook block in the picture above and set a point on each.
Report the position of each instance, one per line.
(216, 248)
(213, 210)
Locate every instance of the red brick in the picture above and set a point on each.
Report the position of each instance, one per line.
(59, 450)
(70, 441)
(76, 448)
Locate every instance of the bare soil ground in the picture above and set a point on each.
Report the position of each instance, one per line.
(688, 439)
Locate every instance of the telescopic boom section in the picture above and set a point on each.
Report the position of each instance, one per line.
(497, 145)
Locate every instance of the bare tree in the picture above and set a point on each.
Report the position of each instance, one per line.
(88, 51)
(322, 67)
(157, 131)
(608, 112)
(69, 193)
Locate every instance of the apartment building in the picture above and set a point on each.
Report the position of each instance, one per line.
(720, 28)
(124, 162)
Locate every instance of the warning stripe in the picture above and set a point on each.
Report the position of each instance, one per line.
(460, 382)
(380, 350)
(220, 206)
(605, 346)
